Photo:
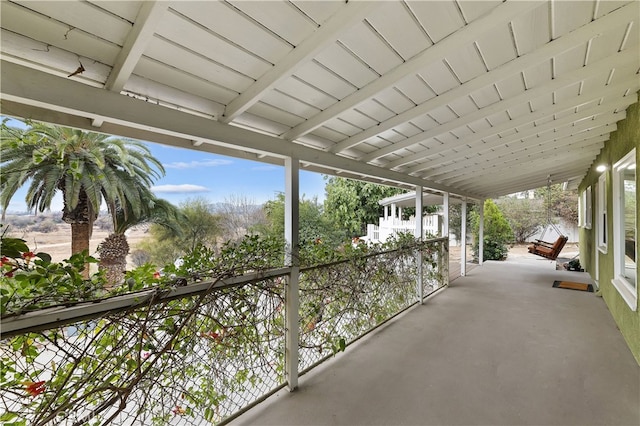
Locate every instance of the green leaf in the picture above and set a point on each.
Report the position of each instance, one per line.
(209, 414)
(18, 423)
(44, 256)
(13, 247)
(342, 344)
(131, 364)
(9, 415)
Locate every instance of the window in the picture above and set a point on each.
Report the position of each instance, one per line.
(624, 229)
(584, 212)
(601, 199)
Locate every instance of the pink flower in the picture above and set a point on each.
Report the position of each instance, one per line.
(156, 275)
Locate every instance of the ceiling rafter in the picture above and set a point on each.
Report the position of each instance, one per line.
(324, 36)
(498, 176)
(595, 68)
(140, 35)
(591, 113)
(549, 50)
(48, 91)
(148, 18)
(576, 142)
(503, 13)
(538, 182)
(531, 178)
(524, 104)
(534, 179)
(583, 120)
(545, 144)
(575, 102)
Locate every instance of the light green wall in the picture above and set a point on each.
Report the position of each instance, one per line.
(621, 142)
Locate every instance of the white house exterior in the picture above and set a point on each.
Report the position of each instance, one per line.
(394, 225)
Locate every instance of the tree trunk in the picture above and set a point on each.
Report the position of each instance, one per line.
(80, 236)
(81, 219)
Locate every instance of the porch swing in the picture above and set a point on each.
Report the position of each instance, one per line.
(548, 250)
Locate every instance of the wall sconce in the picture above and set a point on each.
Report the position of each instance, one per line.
(601, 168)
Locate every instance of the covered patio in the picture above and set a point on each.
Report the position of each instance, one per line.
(500, 346)
(467, 100)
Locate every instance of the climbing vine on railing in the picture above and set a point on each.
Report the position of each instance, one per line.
(150, 364)
(343, 300)
(197, 359)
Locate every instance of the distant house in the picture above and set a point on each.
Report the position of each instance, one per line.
(391, 222)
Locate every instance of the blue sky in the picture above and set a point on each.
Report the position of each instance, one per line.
(191, 174)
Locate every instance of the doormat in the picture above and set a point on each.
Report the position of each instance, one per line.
(573, 286)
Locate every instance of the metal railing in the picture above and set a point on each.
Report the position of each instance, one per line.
(201, 353)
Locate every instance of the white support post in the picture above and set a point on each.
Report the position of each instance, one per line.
(463, 239)
(419, 234)
(481, 234)
(445, 207)
(292, 296)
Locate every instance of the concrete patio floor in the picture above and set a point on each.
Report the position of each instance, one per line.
(500, 346)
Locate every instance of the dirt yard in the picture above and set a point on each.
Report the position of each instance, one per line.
(58, 243)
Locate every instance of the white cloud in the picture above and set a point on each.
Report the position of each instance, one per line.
(179, 189)
(181, 165)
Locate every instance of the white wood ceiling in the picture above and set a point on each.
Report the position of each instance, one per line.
(479, 98)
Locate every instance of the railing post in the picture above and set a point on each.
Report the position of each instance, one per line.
(463, 239)
(481, 234)
(292, 291)
(444, 267)
(445, 208)
(418, 235)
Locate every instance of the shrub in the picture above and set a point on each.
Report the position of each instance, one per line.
(493, 250)
(497, 233)
(44, 226)
(140, 257)
(104, 223)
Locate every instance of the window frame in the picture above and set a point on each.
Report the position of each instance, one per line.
(626, 289)
(601, 213)
(585, 211)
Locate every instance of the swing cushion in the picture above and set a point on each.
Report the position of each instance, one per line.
(548, 250)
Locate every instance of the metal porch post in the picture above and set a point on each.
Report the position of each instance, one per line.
(463, 239)
(418, 234)
(445, 207)
(292, 291)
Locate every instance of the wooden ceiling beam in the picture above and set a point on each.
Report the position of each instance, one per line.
(549, 50)
(325, 35)
(577, 102)
(602, 67)
(466, 35)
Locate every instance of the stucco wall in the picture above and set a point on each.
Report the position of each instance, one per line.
(622, 141)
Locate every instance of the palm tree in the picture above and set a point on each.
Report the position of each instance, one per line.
(87, 168)
(114, 249)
